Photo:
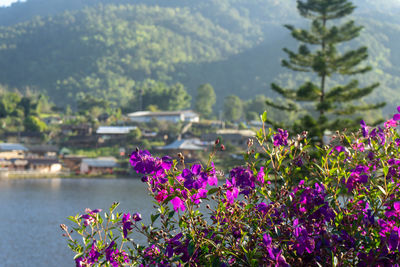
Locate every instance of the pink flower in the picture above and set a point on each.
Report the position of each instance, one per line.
(260, 175)
(196, 198)
(161, 196)
(212, 179)
(177, 203)
(390, 123)
(232, 192)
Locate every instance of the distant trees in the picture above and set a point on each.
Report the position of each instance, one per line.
(160, 96)
(318, 55)
(254, 107)
(87, 104)
(18, 112)
(205, 100)
(34, 124)
(233, 108)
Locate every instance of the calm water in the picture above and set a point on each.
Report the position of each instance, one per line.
(31, 211)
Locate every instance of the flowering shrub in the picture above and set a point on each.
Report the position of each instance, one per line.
(283, 207)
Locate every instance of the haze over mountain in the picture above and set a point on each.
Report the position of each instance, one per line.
(110, 47)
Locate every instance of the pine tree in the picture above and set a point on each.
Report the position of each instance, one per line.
(318, 55)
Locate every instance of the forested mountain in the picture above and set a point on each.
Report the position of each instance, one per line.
(109, 48)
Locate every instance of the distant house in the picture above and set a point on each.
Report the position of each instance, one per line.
(18, 165)
(44, 165)
(171, 116)
(185, 146)
(79, 129)
(42, 151)
(73, 163)
(104, 165)
(12, 151)
(82, 141)
(115, 130)
(13, 164)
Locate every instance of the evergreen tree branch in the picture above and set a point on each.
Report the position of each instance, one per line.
(288, 107)
(348, 110)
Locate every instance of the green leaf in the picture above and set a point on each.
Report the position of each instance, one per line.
(385, 170)
(191, 248)
(154, 217)
(171, 214)
(212, 191)
(171, 180)
(78, 255)
(264, 116)
(215, 262)
(383, 190)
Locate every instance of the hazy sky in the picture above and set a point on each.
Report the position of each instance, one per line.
(7, 2)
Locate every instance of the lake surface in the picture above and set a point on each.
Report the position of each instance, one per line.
(31, 211)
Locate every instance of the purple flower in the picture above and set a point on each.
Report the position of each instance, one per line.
(357, 176)
(274, 253)
(177, 203)
(90, 216)
(364, 128)
(80, 262)
(194, 178)
(143, 162)
(393, 241)
(111, 252)
(381, 135)
(396, 117)
(136, 217)
(397, 141)
(173, 244)
(243, 178)
(126, 224)
(304, 242)
(152, 251)
(280, 138)
(262, 207)
(93, 254)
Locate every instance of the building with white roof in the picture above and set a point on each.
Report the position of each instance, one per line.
(172, 116)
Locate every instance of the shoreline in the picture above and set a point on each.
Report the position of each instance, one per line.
(61, 175)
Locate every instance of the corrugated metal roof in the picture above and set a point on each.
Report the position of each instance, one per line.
(101, 162)
(12, 147)
(186, 144)
(42, 161)
(43, 148)
(115, 129)
(162, 113)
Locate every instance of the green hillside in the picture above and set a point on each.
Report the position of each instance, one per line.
(109, 50)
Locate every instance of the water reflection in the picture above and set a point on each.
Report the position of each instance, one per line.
(32, 209)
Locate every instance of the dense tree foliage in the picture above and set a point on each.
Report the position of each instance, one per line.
(109, 48)
(233, 108)
(21, 112)
(156, 96)
(205, 100)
